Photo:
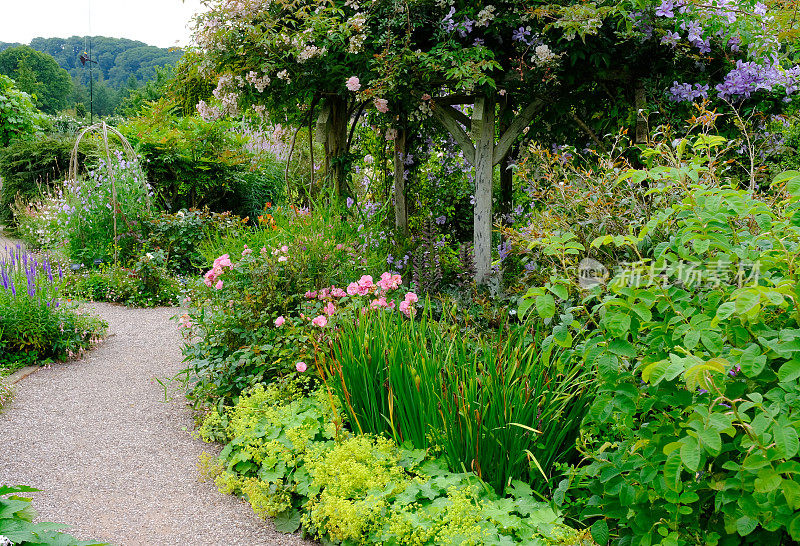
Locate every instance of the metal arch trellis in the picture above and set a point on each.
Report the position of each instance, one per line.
(104, 130)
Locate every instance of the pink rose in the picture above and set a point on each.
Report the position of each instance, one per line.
(284, 248)
(320, 321)
(353, 288)
(246, 251)
(282, 259)
(411, 297)
(338, 293)
(426, 96)
(353, 84)
(310, 295)
(365, 281)
(329, 309)
(263, 251)
(218, 286)
(301, 367)
(279, 321)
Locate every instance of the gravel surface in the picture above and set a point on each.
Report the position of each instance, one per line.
(112, 458)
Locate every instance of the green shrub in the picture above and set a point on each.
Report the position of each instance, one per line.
(180, 234)
(146, 284)
(693, 433)
(30, 168)
(19, 118)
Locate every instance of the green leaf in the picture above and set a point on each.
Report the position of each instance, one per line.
(691, 453)
(791, 490)
(711, 440)
(746, 301)
(746, 525)
(794, 528)
(618, 324)
(288, 521)
(599, 530)
(767, 480)
(622, 347)
(545, 306)
(786, 440)
(789, 371)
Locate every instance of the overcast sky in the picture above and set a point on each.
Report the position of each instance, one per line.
(163, 23)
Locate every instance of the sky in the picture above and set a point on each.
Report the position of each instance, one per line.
(163, 23)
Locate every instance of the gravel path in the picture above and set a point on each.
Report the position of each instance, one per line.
(113, 459)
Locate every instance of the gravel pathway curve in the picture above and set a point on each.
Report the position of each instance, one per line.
(112, 458)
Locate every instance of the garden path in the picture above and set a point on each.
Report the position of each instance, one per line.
(113, 459)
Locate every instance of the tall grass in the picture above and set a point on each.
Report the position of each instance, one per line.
(502, 408)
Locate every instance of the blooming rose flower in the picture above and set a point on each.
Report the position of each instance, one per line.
(338, 293)
(282, 259)
(382, 105)
(411, 297)
(353, 84)
(353, 288)
(218, 286)
(279, 321)
(246, 251)
(320, 321)
(284, 248)
(329, 309)
(365, 281)
(301, 367)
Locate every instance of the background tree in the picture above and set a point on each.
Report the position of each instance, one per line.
(39, 75)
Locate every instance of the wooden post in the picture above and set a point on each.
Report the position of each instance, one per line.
(400, 207)
(483, 121)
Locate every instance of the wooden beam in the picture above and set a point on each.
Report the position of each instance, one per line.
(444, 115)
(515, 129)
(455, 99)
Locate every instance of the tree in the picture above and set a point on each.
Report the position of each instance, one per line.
(18, 115)
(39, 75)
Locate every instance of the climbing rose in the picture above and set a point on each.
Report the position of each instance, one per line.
(301, 367)
(218, 286)
(382, 105)
(353, 84)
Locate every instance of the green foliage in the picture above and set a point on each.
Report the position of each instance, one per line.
(30, 168)
(692, 434)
(17, 525)
(145, 284)
(180, 235)
(18, 116)
(505, 410)
(194, 163)
(286, 453)
(39, 75)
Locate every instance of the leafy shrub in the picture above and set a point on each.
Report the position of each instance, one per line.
(179, 235)
(146, 284)
(692, 436)
(289, 456)
(17, 525)
(18, 116)
(30, 168)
